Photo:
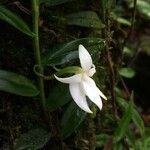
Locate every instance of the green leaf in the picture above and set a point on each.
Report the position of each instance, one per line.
(143, 6)
(101, 139)
(145, 44)
(127, 72)
(54, 2)
(121, 19)
(85, 19)
(123, 124)
(33, 140)
(139, 145)
(135, 115)
(118, 146)
(67, 52)
(138, 121)
(16, 84)
(72, 118)
(58, 96)
(14, 20)
(127, 51)
(147, 142)
(130, 137)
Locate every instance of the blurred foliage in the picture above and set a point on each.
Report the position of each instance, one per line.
(116, 34)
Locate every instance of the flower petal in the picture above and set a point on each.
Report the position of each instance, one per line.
(92, 82)
(85, 58)
(72, 79)
(92, 92)
(79, 97)
(92, 71)
(101, 94)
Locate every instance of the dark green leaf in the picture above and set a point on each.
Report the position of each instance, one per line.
(135, 115)
(72, 118)
(54, 2)
(139, 145)
(118, 146)
(67, 52)
(85, 19)
(58, 96)
(130, 137)
(145, 44)
(127, 72)
(138, 121)
(147, 142)
(121, 19)
(143, 7)
(33, 140)
(16, 84)
(14, 20)
(123, 124)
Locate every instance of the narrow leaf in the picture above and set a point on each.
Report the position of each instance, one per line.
(135, 115)
(72, 118)
(123, 124)
(14, 20)
(33, 140)
(16, 84)
(130, 137)
(85, 19)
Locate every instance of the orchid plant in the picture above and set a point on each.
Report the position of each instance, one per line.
(81, 84)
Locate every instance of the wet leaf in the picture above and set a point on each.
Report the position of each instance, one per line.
(33, 140)
(85, 19)
(72, 118)
(17, 84)
(58, 96)
(67, 52)
(14, 20)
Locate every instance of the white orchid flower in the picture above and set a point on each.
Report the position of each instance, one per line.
(81, 85)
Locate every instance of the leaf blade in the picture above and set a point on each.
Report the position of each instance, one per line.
(17, 84)
(85, 19)
(123, 124)
(67, 52)
(33, 140)
(14, 20)
(72, 118)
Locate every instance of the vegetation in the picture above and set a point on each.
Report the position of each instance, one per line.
(40, 38)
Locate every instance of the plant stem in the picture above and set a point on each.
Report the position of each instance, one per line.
(107, 36)
(35, 19)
